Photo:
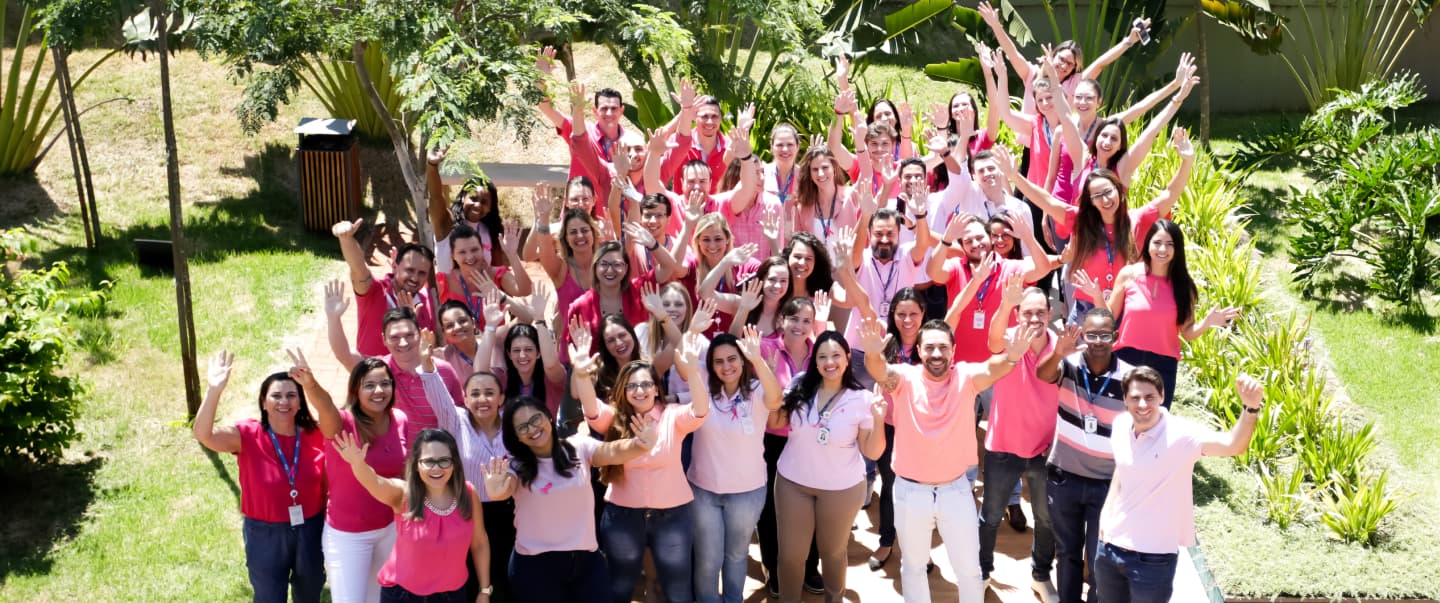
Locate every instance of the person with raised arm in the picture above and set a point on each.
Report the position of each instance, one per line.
(436, 528)
(472, 276)
(968, 238)
(604, 133)
(934, 418)
(556, 557)
(406, 285)
(617, 290)
(1019, 429)
(727, 467)
(648, 504)
(280, 459)
(1109, 146)
(475, 205)
(402, 339)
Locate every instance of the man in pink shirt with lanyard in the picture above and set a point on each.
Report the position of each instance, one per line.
(934, 446)
(1150, 511)
(404, 286)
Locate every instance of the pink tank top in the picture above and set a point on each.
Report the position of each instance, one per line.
(430, 555)
(1039, 151)
(1149, 320)
(568, 291)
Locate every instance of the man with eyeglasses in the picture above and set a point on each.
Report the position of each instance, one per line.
(401, 335)
(1081, 463)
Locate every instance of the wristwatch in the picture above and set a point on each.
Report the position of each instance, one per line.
(1253, 410)
(487, 590)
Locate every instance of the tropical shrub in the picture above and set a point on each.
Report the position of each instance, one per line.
(336, 84)
(38, 400)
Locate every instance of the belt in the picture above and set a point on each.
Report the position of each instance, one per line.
(1063, 474)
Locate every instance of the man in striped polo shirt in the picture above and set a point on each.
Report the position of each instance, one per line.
(1081, 462)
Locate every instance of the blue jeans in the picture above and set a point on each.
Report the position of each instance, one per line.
(398, 594)
(278, 555)
(1001, 470)
(1126, 576)
(1075, 504)
(982, 413)
(624, 534)
(724, 524)
(1167, 366)
(559, 577)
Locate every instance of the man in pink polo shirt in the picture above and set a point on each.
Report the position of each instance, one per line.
(1021, 425)
(1150, 512)
(404, 286)
(934, 446)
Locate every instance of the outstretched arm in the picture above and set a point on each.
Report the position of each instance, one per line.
(1093, 70)
(1167, 199)
(225, 438)
(388, 491)
(335, 305)
(1140, 148)
(1234, 442)
(439, 198)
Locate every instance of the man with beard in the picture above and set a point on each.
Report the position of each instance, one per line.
(1021, 425)
(886, 265)
(402, 344)
(404, 286)
(934, 421)
(1081, 461)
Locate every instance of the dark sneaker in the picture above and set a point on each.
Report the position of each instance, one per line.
(1017, 517)
(815, 585)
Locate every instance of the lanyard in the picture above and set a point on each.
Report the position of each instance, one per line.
(464, 356)
(735, 406)
(1090, 396)
(290, 468)
(1109, 264)
(824, 222)
(606, 145)
(784, 189)
(825, 411)
(885, 292)
(469, 303)
(984, 288)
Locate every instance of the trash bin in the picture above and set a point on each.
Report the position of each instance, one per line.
(328, 159)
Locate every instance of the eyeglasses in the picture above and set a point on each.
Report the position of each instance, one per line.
(534, 423)
(443, 462)
(377, 385)
(1099, 337)
(611, 266)
(643, 386)
(1104, 194)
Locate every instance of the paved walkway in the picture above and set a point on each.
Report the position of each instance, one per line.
(1012, 564)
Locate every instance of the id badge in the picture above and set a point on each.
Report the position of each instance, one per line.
(884, 310)
(297, 517)
(1105, 294)
(1091, 424)
(823, 436)
(747, 426)
(977, 320)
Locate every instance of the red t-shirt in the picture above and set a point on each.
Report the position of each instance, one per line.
(587, 307)
(264, 489)
(370, 308)
(972, 339)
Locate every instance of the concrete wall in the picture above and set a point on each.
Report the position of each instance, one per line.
(1241, 80)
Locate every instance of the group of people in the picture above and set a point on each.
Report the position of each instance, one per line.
(730, 349)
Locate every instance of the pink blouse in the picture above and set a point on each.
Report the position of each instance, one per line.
(351, 508)
(656, 479)
(1148, 323)
(431, 551)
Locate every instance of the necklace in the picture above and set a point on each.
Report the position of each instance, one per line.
(454, 502)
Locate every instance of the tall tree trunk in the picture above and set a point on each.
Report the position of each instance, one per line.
(70, 133)
(1202, 60)
(67, 97)
(414, 183)
(178, 244)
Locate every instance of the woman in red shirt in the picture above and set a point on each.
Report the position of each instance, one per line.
(282, 480)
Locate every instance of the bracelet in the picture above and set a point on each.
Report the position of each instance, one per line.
(489, 328)
(542, 228)
(657, 246)
(1254, 410)
(747, 157)
(921, 216)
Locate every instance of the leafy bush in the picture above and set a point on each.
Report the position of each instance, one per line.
(38, 403)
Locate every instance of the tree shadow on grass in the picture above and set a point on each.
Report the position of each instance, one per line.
(1209, 487)
(222, 471)
(44, 504)
(24, 202)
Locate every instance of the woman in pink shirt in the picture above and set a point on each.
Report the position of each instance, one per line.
(281, 463)
(435, 517)
(809, 264)
(556, 558)
(566, 256)
(761, 298)
(823, 204)
(617, 290)
(821, 481)
(727, 466)
(648, 503)
(1155, 301)
(360, 531)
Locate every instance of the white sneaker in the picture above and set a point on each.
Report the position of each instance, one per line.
(1046, 591)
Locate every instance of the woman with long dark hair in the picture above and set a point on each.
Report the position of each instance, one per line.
(761, 298)
(727, 468)
(821, 481)
(556, 557)
(282, 481)
(1155, 299)
(436, 527)
(648, 502)
(809, 263)
(528, 362)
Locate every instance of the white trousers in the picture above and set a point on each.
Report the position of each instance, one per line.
(352, 561)
(921, 509)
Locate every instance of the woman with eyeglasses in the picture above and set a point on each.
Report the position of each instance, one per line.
(615, 291)
(280, 458)
(648, 502)
(1102, 227)
(556, 557)
(476, 428)
(436, 527)
(821, 481)
(1155, 299)
(727, 468)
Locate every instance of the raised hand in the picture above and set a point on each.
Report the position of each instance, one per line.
(842, 73)
(539, 302)
(873, 337)
(750, 343)
(1252, 393)
(845, 102)
(427, 349)
(543, 202)
(915, 198)
(865, 194)
(346, 230)
(219, 374)
(1019, 340)
(436, 155)
(939, 115)
(495, 476)
(350, 448)
(584, 365)
(745, 119)
(878, 405)
(494, 309)
(770, 223)
(907, 116)
(1003, 161)
(695, 205)
(1221, 317)
(300, 368)
(704, 316)
(405, 299)
(1091, 287)
(1014, 290)
(1181, 141)
(580, 338)
(1135, 31)
(545, 63)
(739, 141)
(822, 306)
(988, 13)
(638, 235)
(510, 241)
(1068, 342)
(749, 296)
(336, 302)
(689, 353)
(843, 245)
(650, 298)
(741, 254)
(646, 434)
